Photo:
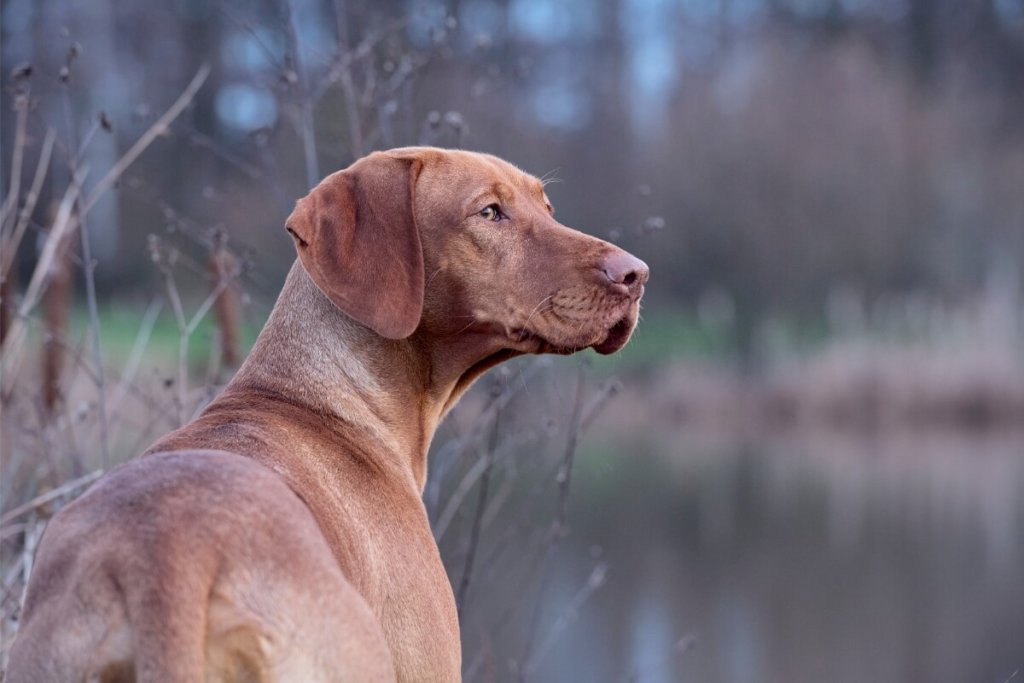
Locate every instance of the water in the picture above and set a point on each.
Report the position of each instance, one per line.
(760, 558)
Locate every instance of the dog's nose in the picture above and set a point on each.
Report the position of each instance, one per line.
(624, 269)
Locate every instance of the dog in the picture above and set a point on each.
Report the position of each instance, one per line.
(281, 536)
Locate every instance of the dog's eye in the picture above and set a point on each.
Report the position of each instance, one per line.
(491, 212)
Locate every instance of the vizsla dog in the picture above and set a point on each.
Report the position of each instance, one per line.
(281, 536)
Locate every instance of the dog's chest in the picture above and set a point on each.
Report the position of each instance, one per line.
(393, 561)
(377, 528)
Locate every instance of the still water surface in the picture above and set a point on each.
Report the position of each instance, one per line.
(789, 559)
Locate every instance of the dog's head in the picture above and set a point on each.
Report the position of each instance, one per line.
(453, 244)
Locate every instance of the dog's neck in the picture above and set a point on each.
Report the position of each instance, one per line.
(393, 392)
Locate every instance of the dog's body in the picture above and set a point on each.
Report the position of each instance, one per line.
(281, 536)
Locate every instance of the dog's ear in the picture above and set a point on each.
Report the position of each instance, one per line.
(357, 238)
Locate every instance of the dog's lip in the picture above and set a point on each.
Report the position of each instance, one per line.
(540, 344)
(617, 337)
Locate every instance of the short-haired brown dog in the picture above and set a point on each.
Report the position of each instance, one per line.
(281, 536)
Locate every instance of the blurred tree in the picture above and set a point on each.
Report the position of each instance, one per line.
(789, 147)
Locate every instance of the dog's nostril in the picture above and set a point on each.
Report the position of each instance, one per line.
(623, 269)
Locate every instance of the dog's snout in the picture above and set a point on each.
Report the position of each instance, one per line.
(625, 269)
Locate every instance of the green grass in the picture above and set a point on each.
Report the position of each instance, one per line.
(661, 337)
(120, 326)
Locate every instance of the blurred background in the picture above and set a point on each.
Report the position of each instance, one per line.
(808, 464)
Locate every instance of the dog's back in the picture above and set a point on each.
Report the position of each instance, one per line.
(180, 591)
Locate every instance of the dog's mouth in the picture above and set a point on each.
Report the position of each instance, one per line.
(611, 341)
(618, 336)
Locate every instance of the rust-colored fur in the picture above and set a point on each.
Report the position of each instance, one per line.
(281, 536)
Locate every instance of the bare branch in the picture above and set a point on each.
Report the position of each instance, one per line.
(157, 129)
(167, 274)
(222, 284)
(135, 357)
(305, 119)
(11, 243)
(481, 504)
(10, 351)
(348, 88)
(558, 529)
(50, 496)
(569, 613)
(10, 204)
(89, 268)
(361, 53)
(468, 443)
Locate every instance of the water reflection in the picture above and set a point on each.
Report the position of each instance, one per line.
(801, 558)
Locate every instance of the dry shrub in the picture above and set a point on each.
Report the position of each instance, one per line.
(905, 363)
(915, 363)
(224, 270)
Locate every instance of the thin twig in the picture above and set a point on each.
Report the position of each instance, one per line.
(135, 356)
(589, 410)
(211, 298)
(179, 318)
(11, 243)
(361, 53)
(597, 402)
(558, 529)
(305, 122)
(457, 449)
(565, 474)
(474, 474)
(89, 135)
(84, 365)
(50, 496)
(10, 204)
(681, 647)
(481, 504)
(348, 89)
(89, 268)
(28, 553)
(246, 26)
(594, 582)
(203, 141)
(157, 129)
(187, 327)
(10, 350)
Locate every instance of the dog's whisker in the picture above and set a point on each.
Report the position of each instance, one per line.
(430, 279)
(468, 325)
(550, 177)
(526, 325)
